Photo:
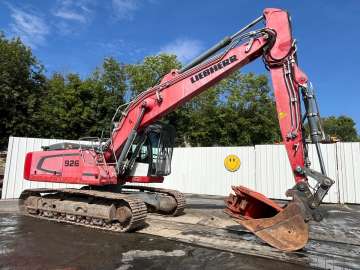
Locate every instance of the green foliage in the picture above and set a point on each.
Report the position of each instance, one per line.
(21, 87)
(148, 73)
(79, 108)
(66, 107)
(237, 111)
(342, 127)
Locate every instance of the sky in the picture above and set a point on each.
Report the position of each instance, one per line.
(76, 35)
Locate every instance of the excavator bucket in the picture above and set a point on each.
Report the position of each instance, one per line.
(282, 228)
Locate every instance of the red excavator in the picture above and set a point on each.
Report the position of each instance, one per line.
(140, 148)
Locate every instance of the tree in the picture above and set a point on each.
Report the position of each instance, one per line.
(63, 111)
(251, 106)
(237, 111)
(113, 77)
(22, 84)
(148, 73)
(112, 92)
(81, 108)
(342, 127)
(205, 126)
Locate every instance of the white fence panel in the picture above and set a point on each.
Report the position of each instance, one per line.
(349, 172)
(14, 183)
(201, 170)
(273, 171)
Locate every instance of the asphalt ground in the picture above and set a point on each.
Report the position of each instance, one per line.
(28, 243)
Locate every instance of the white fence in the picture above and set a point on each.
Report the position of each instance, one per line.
(201, 170)
(348, 164)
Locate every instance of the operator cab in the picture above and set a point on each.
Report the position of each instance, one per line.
(151, 152)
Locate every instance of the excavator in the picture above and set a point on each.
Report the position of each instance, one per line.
(114, 172)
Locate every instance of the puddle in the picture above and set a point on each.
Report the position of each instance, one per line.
(132, 255)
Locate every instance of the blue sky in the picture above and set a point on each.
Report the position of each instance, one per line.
(75, 36)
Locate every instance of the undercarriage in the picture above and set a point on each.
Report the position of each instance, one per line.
(123, 211)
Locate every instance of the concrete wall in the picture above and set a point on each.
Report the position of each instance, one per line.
(264, 168)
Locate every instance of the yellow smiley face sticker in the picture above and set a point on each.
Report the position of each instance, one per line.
(232, 163)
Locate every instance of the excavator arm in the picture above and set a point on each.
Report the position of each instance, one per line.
(284, 228)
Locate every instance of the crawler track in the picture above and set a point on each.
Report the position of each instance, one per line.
(34, 203)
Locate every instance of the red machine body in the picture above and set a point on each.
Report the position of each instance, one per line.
(74, 166)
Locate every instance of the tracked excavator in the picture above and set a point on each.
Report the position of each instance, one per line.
(140, 148)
